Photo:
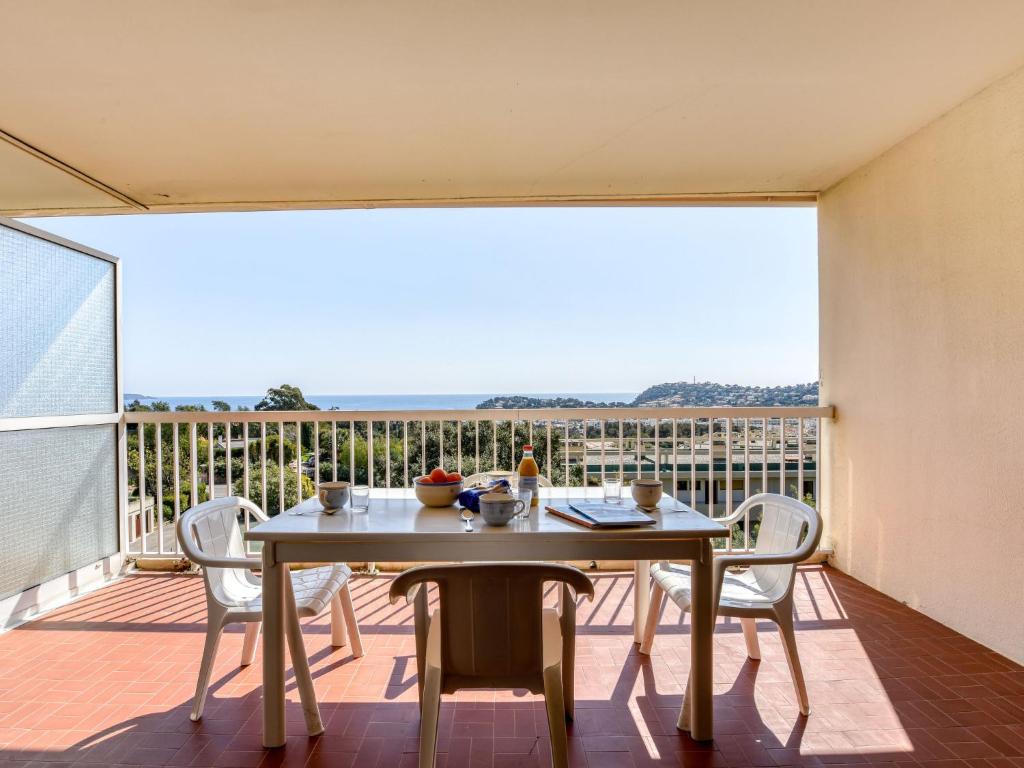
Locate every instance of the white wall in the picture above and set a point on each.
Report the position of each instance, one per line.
(922, 353)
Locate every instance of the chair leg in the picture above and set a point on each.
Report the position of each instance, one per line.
(421, 622)
(429, 714)
(555, 706)
(683, 723)
(345, 599)
(750, 636)
(339, 636)
(252, 639)
(300, 664)
(653, 614)
(213, 633)
(567, 626)
(430, 696)
(785, 623)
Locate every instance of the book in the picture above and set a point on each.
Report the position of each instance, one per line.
(599, 515)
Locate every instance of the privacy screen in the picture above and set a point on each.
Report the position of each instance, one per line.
(58, 357)
(57, 321)
(58, 501)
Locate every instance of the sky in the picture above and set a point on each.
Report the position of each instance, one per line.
(489, 300)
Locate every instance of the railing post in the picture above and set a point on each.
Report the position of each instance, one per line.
(122, 484)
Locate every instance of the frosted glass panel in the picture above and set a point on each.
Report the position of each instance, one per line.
(56, 329)
(58, 502)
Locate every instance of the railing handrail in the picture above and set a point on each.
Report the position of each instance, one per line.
(482, 414)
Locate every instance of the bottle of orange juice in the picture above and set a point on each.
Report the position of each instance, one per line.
(528, 473)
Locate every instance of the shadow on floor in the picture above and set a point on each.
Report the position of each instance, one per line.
(887, 686)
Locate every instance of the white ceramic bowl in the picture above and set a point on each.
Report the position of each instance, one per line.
(437, 494)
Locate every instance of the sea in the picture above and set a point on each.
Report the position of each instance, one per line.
(383, 402)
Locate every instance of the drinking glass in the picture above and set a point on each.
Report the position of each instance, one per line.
(612, 490)
(360, 495)
(525, 495)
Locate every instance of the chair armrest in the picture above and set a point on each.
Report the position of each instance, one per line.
(250, 507)
(407, 583)
(255, 511)
(741, 511)
(410, 595)
(721, 562)
(734, 518)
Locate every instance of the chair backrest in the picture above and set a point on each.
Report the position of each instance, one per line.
(491, 619)
(210, 536)
(787, 526)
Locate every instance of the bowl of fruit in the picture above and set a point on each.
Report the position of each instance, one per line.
(439, 488)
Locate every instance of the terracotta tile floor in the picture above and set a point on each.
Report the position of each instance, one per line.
(108, 680)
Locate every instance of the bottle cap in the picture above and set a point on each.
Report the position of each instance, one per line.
(527, 447)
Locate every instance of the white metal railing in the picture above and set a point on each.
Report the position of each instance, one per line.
(710, 458)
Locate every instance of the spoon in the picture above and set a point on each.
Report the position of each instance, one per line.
(467, 518)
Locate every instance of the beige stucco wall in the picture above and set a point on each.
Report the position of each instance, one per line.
(922, 354)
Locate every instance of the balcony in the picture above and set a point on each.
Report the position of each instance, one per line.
(902, 126)
(109, 678)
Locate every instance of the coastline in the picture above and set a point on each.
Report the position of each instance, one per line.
(413, 402)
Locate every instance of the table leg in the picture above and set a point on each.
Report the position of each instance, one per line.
(273, 579)
(641, 597)
(697, 713)
(300, 664)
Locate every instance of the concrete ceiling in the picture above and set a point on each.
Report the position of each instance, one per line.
(128, 105)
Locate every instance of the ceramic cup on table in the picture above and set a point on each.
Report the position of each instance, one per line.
(646, 493)
(333, 495)
(499, 508)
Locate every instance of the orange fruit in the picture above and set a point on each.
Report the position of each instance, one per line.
(439, 476)
(425, 480)
(454, 477)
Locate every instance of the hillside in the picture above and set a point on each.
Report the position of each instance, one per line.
(521, 401)
(679, 394)
(683, 393)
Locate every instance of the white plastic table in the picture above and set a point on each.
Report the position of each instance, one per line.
(398, 528)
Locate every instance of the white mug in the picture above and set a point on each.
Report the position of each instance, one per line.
(499, 508)
(333, 495)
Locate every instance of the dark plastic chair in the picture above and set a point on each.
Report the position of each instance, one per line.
(492, 631)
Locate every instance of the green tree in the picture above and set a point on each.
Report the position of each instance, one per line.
(221, 405)
(273, 440)
(288, 398)
(273, 480)
(425, 454)
(285, 398)
(136, 406)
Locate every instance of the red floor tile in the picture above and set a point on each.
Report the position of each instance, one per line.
(108, 680)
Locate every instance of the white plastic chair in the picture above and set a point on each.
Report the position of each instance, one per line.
(790, 532)
(210, 536)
